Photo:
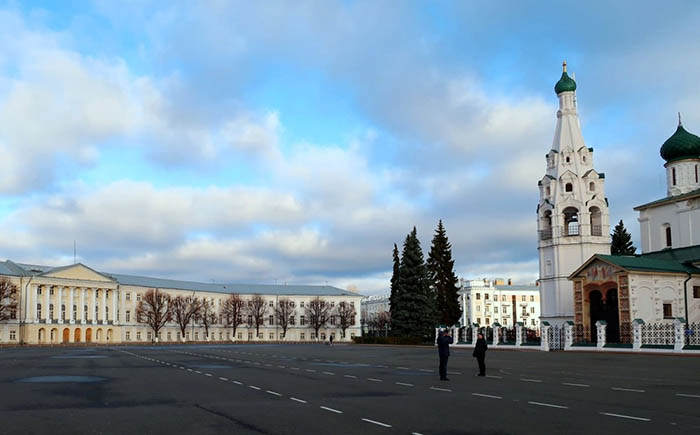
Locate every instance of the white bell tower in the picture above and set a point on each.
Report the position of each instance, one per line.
(572, 214)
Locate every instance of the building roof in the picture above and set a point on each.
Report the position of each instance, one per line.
(565, 83)
(681, 145)
(502, 287)
(669, 199)
(18, 269)
(669, 261)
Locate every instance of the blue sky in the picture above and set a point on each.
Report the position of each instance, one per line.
(298, 141)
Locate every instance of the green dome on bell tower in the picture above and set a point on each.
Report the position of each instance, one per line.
(565, 83)
(681, 145)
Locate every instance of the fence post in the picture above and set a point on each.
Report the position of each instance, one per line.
(637, 333)
(519, 334)
(569, 331)
(600, 326)
(496, 333)
(679, 334)
(544, 336)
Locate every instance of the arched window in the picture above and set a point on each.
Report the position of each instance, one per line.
(591, 186)
(571, 227)
(569, 187)
(546, 226)
(584, 159)
(667, 233)
(568, 160)
(673, 175)
(596, 221)
(549, 189)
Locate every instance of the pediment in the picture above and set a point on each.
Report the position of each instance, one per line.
(591, 173)
(567, 175)
(597, 271)
(77, 271)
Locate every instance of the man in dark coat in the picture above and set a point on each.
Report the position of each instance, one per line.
(444, 341)
(480, 353)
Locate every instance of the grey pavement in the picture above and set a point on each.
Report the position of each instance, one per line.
(343, 389)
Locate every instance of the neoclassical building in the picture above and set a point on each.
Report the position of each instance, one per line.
(663, 282)
(486, 302)
(75, 304)
(572, 213)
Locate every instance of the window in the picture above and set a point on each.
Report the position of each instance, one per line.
(149, 336)
(668, 311)
(272, 320)
(170, 336)
(332, 320)
(240, 336)
(292, 320)
(488, 321)
(187, 336)
(291, 304)
(302, 336)
(669, 241)
(673, 176)
(38, 290)
(97, 293)
(696, 291)
(260, 336)
(138, 297)
(272, 303)
(478, 320)
(323, 336)
(38, 311)
(138, 336)
(568, 160)
(13, 334)
(478, 308)
(524, 298)
(478, 296)
(128, 336)
(75, 312)
(532, 322)
(63, 312)
(591, 186)
(178, 336)
(51, 291)
(332, 304)
(250, 336)
(50, 311)
(13, 314)
(250, 319)
(160, 336)
(486, 296)
(128, 296)
(532, 298)
(302, 320)
(495, 310)
(301, 304)
(569, 187)
(549, 191)
(503, 298)
(128, 315)
(532, 310)
(272, 336)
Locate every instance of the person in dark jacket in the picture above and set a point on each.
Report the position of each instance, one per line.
(480, 353)
(444, 341)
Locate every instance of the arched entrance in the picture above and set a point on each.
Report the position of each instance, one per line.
(88, 335)
(41, 335)
(595, 310)
(76, 335)
(66, 335)
(109, 335)
(99, 335)
(604, 306)
(54, 335)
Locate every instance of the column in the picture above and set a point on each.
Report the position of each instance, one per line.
(115, 296)
(32, 300)
(103, 307)
(47, 292)
(71, 302)
(81, 308)
(93, 304)
(600, 328)
(60, 302)
(122, 305)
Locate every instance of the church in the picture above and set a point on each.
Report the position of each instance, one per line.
(579, 280)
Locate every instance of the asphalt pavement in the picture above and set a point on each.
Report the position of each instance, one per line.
(341, 389)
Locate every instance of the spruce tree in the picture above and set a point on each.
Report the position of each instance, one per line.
(395, 288)
(415, 314)
(443, 279)
(621, 241)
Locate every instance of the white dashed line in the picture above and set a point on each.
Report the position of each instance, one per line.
(695, 396)
(454, 373)
(489, 396)
(549, 405)
(530, 380)
(374, 380)
(273, 393)
(426, 370)
(254, 387)
(626, 416)
(311, 371)
(281, 367)
(631, 390)
(441, 389)
(331, 410)
(189, 370)
(328, 373)
(295, 368)
(223, 379)
(207, 374)
(403, 368)
(494, 377)
(575, 385)
(198, 372)
(350, 376)
(378, 423)
(297, 400)
(404, 384)
(237, 383)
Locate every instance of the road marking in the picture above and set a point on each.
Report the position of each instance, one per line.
(378, 423)
(627, 389)
(494, 377)
(282, 367)
(254, 387)
(374, 380)
(426, 370)
(331, 410)
(311, 370)
(350, 376)
(404, 384)
(530, 380)
(575, 385)
(487, 395)
(295, 368)
(688, 395)
(297, 400)
(273, 393)
(189, 370)
(223, 379)
(626, 416)
(548, 405)
(416, 433)
(237, 383)
(454, 373)
(328, 373)
(207, 374)
(403, 368)
(440, 389)
(197, 371)
(383, 367)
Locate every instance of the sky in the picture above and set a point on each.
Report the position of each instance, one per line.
(296, 142)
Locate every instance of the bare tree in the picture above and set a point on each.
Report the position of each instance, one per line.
(8, 299)
(256, 310)
(346, 315)
(317, 313)
(233, 311)
(382, 322)
(185, 310)
(207, 316)
(155, 310)
(284, 312)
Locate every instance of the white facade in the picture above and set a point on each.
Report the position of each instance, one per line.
(486, 303)
(672, 224)
(372, 308)
(573, 218)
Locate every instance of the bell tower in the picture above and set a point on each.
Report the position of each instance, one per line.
(572, 214)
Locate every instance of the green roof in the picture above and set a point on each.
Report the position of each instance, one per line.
(565, 84)
(689, 253)
(645, 263)
(681, 145)
(669, 199)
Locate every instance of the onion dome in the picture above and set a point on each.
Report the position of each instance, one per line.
(565, 83)
(681, 145)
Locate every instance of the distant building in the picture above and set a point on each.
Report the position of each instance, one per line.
(486, 302)
(375, 314)
(76, 304)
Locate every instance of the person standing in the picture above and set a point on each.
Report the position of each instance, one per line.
(444, 341)
(331, 339)
(480, 353)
